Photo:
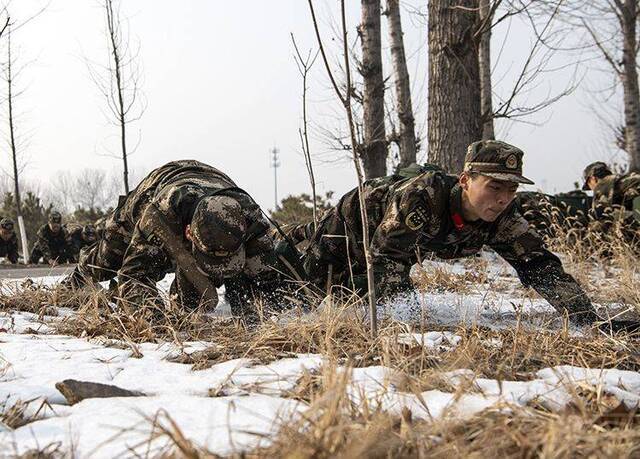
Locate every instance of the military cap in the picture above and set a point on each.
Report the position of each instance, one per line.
(218, 230)
(55, 217)
(495, 159)
(6, 223)
(597, 169)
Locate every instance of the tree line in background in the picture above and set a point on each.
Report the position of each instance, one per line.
(81, 197)
(117, 77)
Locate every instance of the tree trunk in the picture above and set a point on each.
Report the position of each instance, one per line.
(484, 61)
(630, 83)
(374, 149)
(454, 82)
(112, 27)
(14, 155)
(402, 86)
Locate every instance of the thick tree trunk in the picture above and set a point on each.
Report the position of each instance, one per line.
(454, 82)
(374, 149)
(484, 61)
(402, 86)
(628, 17)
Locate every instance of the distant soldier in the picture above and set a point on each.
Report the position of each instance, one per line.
(8, 241)
(444, 215)
(613, 196)
(190, 218)
(547, 214)
(51, 245)
(78, 238)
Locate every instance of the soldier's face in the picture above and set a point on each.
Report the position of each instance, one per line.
(486, 198)
(6, 233)
(55, 227)
(592, 182)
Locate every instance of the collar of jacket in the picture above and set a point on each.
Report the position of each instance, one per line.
(455, 207)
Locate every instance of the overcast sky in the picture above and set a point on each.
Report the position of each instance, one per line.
(222, 87)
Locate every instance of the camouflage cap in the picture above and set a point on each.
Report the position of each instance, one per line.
(597, 169)
(218, 229)
(6, 223)
(55, 217)
(496, 159)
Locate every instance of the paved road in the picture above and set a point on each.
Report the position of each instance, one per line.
(19, 271)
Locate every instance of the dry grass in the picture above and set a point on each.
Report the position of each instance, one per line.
(332, 426)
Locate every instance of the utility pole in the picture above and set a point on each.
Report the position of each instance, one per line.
(275, 163)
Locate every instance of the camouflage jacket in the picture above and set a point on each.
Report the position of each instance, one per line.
(75, 241)
(175, 189)
(9, 249)
(51, 245)
(616, 190)
(412, 218)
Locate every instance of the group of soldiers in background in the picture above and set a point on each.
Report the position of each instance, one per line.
(612, 212)
(192, 219)
(56, 243)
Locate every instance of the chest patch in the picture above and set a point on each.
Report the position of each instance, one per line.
(416, 218)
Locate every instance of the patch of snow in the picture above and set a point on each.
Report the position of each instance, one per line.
(441, 340)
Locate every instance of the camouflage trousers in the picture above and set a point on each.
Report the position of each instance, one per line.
(335, 256)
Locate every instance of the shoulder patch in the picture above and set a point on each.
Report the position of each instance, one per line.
(416, 218)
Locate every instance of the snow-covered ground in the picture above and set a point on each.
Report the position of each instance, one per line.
(239, 404)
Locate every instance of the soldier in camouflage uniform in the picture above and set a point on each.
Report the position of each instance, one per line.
(78, 238)
(211, 220)
(445, 215)
(8, 241)
(51, 244)
(613, 198)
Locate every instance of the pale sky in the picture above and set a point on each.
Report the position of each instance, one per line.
(222, 87)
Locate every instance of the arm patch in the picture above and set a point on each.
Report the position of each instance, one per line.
(417, 218)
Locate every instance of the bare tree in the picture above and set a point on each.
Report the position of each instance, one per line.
(120, 81)
(304, 66)
(407, 135)
(454, 88)
(87, 188)
(612, 28)
(484, 62)
(374, 148)
(13, 140)
(345, 99)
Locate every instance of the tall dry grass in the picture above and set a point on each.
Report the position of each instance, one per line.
(594, 425)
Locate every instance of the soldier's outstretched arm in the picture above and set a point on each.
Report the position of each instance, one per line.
(521, 246)
(144, 264)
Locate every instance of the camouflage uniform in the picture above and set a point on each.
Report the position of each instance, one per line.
(410, 218)
(546, 213)
(50, 245)
(79, 237)
(9, 247)
(185, 193)
(613, 200)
